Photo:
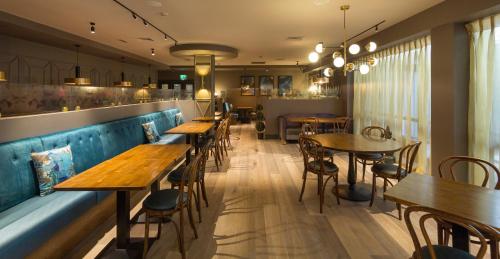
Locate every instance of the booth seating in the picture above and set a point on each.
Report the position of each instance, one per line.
(291, 130)
(28, 221)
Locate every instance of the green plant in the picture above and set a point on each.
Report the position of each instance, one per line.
(260, 124)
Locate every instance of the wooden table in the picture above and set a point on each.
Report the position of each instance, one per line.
(243, 113)
(208, 119)
(354, 144)
(135, 169)
(464, 200)
(315, 119)
(192, 130)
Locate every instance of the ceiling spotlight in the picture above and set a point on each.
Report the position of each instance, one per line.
(364, 69)
(376, 28)
(134, 16)
(165, 38)
(313, 57)
(371, 46)
(319, 47)
(328, 72)
(145, 23)
(153, 52)
(354, 49)
(92, 27)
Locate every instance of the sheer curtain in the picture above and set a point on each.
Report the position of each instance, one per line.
(396, 93)
(484, 92)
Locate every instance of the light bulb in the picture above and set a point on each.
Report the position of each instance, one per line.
(371, 46)
(338, 62)
(319, 47)
(373, 61)
(328, 72)
(364, 69)
(313, 57)
(354, 49)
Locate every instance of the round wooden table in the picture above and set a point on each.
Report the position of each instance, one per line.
(355, 144)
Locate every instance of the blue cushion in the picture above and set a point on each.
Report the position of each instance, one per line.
(52, 167)
(27, 226)
(172, 139)
(151, 132)
(16, 171)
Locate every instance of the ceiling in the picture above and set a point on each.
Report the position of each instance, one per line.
(258, 28)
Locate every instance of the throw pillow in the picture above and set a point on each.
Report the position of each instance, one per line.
(179, 119)
(151, 132)
(52, 167)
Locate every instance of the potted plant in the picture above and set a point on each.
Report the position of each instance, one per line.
(260, 124)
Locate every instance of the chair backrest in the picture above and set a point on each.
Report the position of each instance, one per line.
(311, 149)
(204, 158)
(341, 125)
(474, 228)
(448, 164)
(407, 157)
(187, 181)
(372, 131)
(310, 127)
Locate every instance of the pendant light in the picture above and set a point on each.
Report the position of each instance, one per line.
(149, 84)
(123, 83)
(2, 76)
(77, 80)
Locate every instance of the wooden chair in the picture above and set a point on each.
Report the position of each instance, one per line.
(439, 251)
(311, 127)
(215, 147)
(315, 163)
(340, 125)
(163, 204)
(175, 178)
(371, 158)
(397, 171)
(446, 170)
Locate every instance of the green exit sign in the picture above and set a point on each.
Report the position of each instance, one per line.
(183, 77)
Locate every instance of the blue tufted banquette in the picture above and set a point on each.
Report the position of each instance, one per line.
(28, 220)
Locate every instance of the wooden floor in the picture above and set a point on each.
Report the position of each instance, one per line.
(254, 212)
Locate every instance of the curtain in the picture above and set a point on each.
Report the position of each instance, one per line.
(484, 93)
(396, 93)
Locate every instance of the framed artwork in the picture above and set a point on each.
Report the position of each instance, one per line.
(284, 85)
(247, 85)
(266, 85)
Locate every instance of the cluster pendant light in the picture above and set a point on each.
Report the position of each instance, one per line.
(123, 82)
(339, 55)
(77, 80)
(2, 77)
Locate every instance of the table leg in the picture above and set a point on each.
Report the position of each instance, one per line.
(188, 153)
(460, 238)
(122, 219)
(196, 148)
(353, 191)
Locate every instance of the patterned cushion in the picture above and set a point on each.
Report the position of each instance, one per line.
(52, 167)
(179, 119)
(151, 132)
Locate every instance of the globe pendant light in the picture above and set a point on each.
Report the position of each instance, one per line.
(77, 80)
(2, 77)
(371, 46)
(364, 69)
(354, 49)
(338, 60)
(313, 57)
(328, 72)
(123, 83)
(319, 47)
(372, 61)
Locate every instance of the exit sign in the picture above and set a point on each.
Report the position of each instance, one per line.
(183, 77)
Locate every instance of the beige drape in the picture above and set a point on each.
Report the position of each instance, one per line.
(484, 92)
(396, 93)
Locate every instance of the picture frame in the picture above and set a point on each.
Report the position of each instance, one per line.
(266, 85)
(285, 84)
(247, 84)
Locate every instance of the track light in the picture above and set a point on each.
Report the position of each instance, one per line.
(376, 28)
(92, 27)
(165, 37)
(134, 16)
(153, 52)
(145, 23)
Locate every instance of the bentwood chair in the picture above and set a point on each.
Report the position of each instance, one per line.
(397, 171)
(311, 127)
(163, 204)
(371, 158)
(314, 162)
(446, 171)
(432, 251)
(176, 176)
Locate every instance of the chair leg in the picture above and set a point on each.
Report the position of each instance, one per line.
(304, 177)
(181, 233)
(146, 236)
(337, 189)
(198, 200)
(440, 233)
(364, 169)
(494, 249)
(385, 186)
(321, 193)
(159, 230)
(191, 220)
(179, 240)
(204, 192)
(398, 205)
(374, 188)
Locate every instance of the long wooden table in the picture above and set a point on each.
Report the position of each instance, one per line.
(476, 203)
(355, 144)
(136, 169)
(192, 130)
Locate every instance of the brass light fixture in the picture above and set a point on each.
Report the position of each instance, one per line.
(2, 77)
(77, 80)
(339, 55)
(123, 83)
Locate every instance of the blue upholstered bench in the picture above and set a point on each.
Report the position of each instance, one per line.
(27, 220)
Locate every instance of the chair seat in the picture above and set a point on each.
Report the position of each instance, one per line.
(445, 252)
(330, 167)
(387, 170)
(163, 200)
(175, 176)
(370, 156)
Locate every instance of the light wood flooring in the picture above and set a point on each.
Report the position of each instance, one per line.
(254, 212)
